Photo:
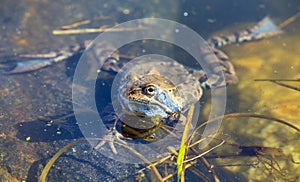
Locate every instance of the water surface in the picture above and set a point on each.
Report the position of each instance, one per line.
(27, 142)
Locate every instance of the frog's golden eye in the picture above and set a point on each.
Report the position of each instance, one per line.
(150, 89)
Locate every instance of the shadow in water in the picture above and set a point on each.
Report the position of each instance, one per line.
(46, 131)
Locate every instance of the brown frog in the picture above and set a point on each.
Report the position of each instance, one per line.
(152, 93)
(166, 89)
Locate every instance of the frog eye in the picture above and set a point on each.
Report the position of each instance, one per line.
(150, 89)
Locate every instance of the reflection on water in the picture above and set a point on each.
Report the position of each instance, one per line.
(24, 98)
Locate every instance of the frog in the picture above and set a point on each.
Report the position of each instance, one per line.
(149, 91)
(149, 94)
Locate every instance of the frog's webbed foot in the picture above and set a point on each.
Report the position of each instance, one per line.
(27, 63)
(32, 62)
(112, 137)
(30, 65)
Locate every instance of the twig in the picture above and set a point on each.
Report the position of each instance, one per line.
(210, 169)
(48, 166)
(94, 30)
(206, 152)
(278, 82)
(84, 22)
(250, 115)
(287, 86)
(289, 20)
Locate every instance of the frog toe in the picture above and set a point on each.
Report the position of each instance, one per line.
(111, 138)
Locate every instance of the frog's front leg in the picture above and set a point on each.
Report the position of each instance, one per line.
(112, 137)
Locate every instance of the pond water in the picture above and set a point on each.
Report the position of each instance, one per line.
(29, 100)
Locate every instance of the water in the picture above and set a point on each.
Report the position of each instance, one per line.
(27, 142)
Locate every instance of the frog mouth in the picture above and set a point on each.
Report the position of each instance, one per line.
(150, 106)
(150, 102)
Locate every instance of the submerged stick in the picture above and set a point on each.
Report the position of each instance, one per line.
(50, 163)
(42, 177)
(93, 30)
(287, 86)
(289, 20)
(278, 82)
(84, 22)
(250, 115)
(206, 152)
